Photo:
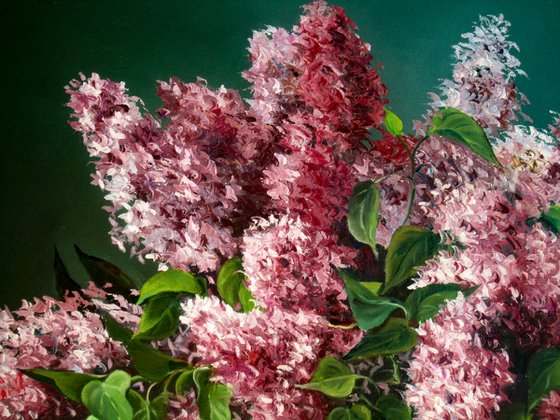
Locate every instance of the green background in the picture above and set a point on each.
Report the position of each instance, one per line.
(46, 198)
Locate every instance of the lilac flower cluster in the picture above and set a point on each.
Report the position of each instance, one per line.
(211, 178)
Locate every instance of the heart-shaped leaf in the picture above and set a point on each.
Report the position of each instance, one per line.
(149, 362)
(102, 272)
(543, 375)
(332, 378)
(363, 212)
(410, 247)
(69, 383)
(63, 281)
(107, 400)
(160, 318)
(394, 337)
(168, 282)
(185, 381)
(393, 408)
(156, 409)
(456, 125)
(356, 412)
(212, 398)
(425, 303)
(369, 310)
(393, 123)
(231, 287)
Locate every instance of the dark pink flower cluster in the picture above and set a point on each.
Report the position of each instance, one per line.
(52, 334)
(492, 212)
(269, 182)
(263, 355)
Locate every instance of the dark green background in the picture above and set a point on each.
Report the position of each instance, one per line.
(46, 197)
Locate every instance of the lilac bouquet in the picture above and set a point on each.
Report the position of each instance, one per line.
(308, 270)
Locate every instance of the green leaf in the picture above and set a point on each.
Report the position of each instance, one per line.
(363, 212)
(156, 409)
(373, 286)
(552, 218)
(356, 412)
(230, 278)
(332, 378)
(170, 281)
(389, 372)
(543, 375)
(63, 281)
(160, 318)
(231, 287)
(185, 381)
(410, 247)
(107, 400)
(393, 408)
(512, 411)
(369, 310)
(246, 299)
(149, 362)
(212, 398)
(69, 383)
(393, 123)
(102, 272)
(456, 125)
(360, 412)
(394, 337)
(425, 303)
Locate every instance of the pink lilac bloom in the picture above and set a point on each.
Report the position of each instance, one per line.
(175, 194)
(318, 77)
(484, 75)
(51, 334)
(288, 261)
(453, 376)
(554, 128)
(550, 407)
(262, 355)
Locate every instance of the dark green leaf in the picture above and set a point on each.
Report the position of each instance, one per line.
(363, 212)
(456, 125)
(63, 281)
(512, 411)
(393, 408)
(69, 383)
(332, 378)
(160, 318)
(184, 382)
(394, 337)
(369, 310)
(543, 375)
(149, 362)
(107, 400)
(356, 412)
(410, 247)
(170, 281)
(552, 218)
(389, 372)
(212, 398)
(102, 272)
(393, 123)
(425, 303)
